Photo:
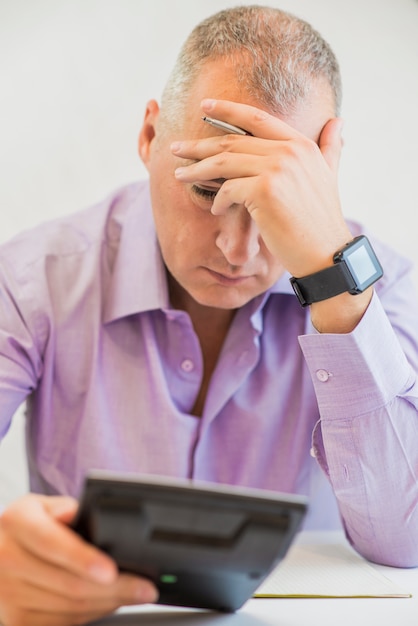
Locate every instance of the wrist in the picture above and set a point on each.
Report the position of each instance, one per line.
(355, 268)
(340, 314)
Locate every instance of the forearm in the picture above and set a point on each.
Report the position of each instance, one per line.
(367, 440)
(371, 462)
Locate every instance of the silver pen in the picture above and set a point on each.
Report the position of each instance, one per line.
(228, 128)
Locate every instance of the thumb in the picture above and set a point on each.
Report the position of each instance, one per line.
(330, 142)
(61, 508)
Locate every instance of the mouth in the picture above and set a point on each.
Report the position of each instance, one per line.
(228, 279)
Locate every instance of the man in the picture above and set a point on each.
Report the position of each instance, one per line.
(158, 332)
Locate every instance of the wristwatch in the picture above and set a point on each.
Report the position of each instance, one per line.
(355, 268)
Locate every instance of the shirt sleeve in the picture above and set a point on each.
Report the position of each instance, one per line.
(367, 438)
(22, 330)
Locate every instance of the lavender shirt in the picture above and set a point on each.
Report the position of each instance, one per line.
(111, 372)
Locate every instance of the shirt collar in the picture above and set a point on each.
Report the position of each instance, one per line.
(138, 282)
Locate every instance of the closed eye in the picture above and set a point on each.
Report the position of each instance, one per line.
(208, 193)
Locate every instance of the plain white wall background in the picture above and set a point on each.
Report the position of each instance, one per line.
(76, 75)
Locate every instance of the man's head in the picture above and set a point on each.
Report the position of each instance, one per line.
(251, 55)
(277, 58)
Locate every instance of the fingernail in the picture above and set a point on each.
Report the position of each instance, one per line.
(208, 104)
(175, 146)
(179, 172)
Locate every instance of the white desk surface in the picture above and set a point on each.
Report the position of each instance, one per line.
(291, 611)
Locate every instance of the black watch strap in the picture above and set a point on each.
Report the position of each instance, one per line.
(324, 284)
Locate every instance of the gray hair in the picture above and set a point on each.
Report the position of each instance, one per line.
(278, 58)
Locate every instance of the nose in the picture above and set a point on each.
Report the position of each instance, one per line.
(238, 236)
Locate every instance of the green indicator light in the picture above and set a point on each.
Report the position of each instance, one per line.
(168, 578)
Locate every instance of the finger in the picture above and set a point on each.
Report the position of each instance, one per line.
(220, 166)
(23, 568)
(27, 605)
(237, 191)
(32, 525)
(79, 595)
(197, 150)
(62, 508)
(330, 142)
(242, 192)
(255, 121)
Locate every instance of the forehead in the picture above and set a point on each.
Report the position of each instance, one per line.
(218, 79)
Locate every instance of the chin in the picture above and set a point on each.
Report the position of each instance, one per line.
(226, 301)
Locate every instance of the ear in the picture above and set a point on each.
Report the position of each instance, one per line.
(331, 142)
(148, 131)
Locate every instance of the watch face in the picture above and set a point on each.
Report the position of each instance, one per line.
(362, 263)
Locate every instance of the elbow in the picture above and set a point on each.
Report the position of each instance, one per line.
(401, 561)
(400, 551)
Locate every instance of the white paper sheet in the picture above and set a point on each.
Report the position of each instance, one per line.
(327, 571)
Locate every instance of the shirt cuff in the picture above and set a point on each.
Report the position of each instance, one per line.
(357, 372)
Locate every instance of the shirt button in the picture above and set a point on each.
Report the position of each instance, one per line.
(323, 375)
(187, 365)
